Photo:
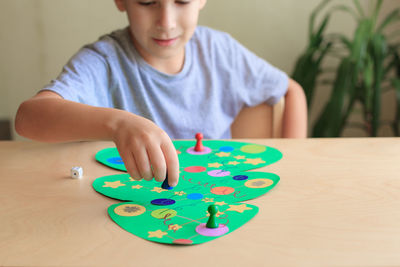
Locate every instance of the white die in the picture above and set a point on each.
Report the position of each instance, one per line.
(76, 172)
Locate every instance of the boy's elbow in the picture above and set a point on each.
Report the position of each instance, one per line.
(295, 120)
(20, 121)
(295, 88)
(24, 124)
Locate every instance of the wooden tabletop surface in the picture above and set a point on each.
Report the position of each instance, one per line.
(337, 204)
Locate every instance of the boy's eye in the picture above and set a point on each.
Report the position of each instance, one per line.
(147, 3)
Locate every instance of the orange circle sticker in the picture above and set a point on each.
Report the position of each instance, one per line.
(222, 190)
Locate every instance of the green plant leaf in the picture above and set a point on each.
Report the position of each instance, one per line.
(359, 8)
(305, 73)
(360, 42)
(308, 66)
(346, 9)
(392, 17)
(397, 62)
(314, 14)
(336, 37)
(376, 12)
(362, 73)
(396, 123)
(368, 79)
(317, 38)
(346, 42)
(379, 51)
(330, 122)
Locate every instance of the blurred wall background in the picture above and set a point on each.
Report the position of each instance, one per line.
(37, 37)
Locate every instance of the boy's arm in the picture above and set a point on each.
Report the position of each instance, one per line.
(295, 114)
(146, 150)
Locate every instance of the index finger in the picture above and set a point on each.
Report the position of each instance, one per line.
(172, 161)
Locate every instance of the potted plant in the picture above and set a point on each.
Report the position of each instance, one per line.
(369, 64)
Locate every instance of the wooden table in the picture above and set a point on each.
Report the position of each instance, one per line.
(337, 204)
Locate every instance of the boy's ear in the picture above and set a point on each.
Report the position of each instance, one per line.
(120, 5)
(202, 3)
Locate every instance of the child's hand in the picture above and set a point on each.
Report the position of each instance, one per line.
(146, 150)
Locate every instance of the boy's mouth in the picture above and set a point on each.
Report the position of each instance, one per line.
(165, 42)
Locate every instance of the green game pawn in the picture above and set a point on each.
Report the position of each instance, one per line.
(212, 221)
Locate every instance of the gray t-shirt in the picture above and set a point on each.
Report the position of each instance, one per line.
(218, 79)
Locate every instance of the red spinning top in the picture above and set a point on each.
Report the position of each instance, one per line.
(199, 146)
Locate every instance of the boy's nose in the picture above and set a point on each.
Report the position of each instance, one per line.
(167, 18)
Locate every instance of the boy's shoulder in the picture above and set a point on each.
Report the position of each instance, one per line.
(120, 37)
(209, 34)
(111, 43)
(213, 42)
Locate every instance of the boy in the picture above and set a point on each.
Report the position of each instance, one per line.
(161, 77)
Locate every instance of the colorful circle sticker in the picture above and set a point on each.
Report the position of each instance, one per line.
(258, 183)
(240, 177)
(205, 151)
(226, 148)
(195, 169)
(218, 173)
(253, 149)
(195, 196)
(115, 160)
(222, 190)
(203, 230)
(129, 210)
(163, 202)
(164, 213)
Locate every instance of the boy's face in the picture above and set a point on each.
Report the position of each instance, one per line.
(161, 28)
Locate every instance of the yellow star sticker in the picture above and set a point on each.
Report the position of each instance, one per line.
(254, 161)
(158, 189)
(220, 203)
(223, 154)
(174, 227)
(158, 234)
(240, 157)
(114, 185)
(239, 208)
(180, 193)
(136, 186)
(233, 163)
(215, 165)
(208, 199)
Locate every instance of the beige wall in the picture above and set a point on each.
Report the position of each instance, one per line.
(37, 37)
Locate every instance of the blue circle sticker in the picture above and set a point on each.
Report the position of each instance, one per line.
(115, 160)
(240, 177)
(195, 196)
(226, 148)
(163, 202)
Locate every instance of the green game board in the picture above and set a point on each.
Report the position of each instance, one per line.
(178, 216)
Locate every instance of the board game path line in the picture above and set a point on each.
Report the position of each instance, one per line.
(196, 235)
(170, 236)
(191, 220)
(187, 223)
